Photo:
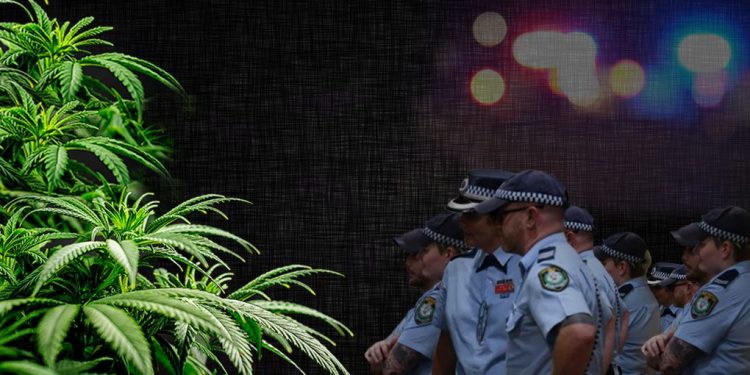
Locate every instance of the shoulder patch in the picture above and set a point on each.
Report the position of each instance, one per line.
(624, 290)
(725, 278)
(703, 305)
(546, 254)
(466, 254)
(554, 278)
(425, 310)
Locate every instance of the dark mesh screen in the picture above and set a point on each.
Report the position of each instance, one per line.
(349, 122)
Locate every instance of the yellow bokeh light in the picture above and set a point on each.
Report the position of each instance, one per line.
(487, 87)
(626, 79)
(489, 29)
(704, 53)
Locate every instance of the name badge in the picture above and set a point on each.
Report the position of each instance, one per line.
(504, 288)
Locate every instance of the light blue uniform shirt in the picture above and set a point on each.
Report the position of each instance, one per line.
(400, 327)
(475, 300)
(668, 315)
(557, 284)
(719, 324)
(419, 334)
(608, 289)
(643, 324)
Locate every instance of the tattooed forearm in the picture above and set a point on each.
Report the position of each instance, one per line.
(677, 355)
(401, 360)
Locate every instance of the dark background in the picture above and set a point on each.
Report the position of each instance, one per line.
(349, 122)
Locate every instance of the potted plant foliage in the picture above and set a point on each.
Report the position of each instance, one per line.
(92, 278)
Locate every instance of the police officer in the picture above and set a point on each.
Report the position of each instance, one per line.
(378, 352)
(660, 281)
(685, 237)
(626, 258)
(438, 241)
(555, 322)
(683, 289)
(713, 338)
(579, 231)
(477, 288)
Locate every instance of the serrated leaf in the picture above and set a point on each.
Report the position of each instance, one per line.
(52, 330)
(71, 76)
(122, 333)
(127, 258)
(56, 161)
(25, 368)
(61, 258)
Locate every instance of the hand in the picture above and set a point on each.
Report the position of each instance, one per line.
(378, 352)
(655, 346)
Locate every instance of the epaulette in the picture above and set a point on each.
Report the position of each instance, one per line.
(725, 278)
(624, 290)
(466, 254)
(546, 254)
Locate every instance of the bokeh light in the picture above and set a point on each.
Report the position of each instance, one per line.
(704, 53)
(576, 67)
(489, 29)
(539, 49)
(571, 59)
(487, 87)
(627, 78)
(709, 88)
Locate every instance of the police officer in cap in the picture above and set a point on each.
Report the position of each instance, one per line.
(438, 241)
(713, 338)
(378, 352)
(579, 231)
(626, 258)
(685, 237)
(660, 281)
(477, 288)
(555, 325)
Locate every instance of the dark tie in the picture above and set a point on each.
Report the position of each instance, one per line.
(490, 261)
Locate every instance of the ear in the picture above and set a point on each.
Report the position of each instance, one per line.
(622, 267)
(726, 249)
(532, 216)
(568, 235)
(450, 252)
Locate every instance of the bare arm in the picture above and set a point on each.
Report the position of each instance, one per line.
(609, 344)
(654, 347)
(444, 360)
(401, 360)
(378, 352)
(573, 345)
(676, 356)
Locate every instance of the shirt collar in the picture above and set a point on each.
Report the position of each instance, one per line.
(530, 257)
(501, 260)
(743, 266)
(636, 282)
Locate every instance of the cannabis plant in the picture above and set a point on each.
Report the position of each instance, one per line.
(92, 278)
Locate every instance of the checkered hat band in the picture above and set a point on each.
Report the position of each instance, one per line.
(660, 275)
(524, 196)
(720, 233)
(676, 276)
(618, 255)
(443, 239)
(477, 192)
(574, 225)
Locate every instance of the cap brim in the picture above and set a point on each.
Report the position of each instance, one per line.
(489, 205)
(689, 235)
(413, 241)
(461, 204)
(661, 283)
